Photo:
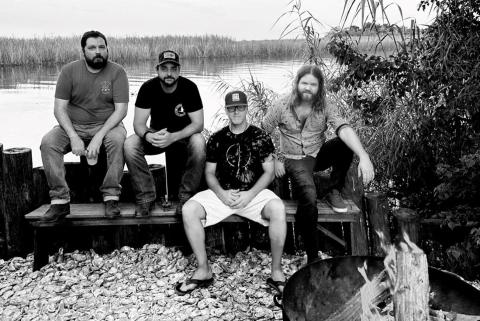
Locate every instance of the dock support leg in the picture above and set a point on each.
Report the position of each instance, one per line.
(40, 252)
(358, 236)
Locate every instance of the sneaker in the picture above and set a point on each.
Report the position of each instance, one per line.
(144, 209)
(111, 209)
(336, 202)
(56, 212)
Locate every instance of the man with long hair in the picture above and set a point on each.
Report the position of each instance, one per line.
(91, 100)
(302, 118)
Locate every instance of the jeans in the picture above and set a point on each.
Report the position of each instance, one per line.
(185, 161)
(334, 153)
(56, 143)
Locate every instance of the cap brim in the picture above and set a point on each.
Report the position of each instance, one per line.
(169, 61)
(233, 105)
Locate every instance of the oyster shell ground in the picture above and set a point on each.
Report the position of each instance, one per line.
(138, 284)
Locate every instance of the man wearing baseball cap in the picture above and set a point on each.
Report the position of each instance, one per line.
(175, 109)
(238, 169)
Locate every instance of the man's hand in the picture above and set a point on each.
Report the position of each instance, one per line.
(243, 198)
(279, 168)
(160, 139)
(78, 147)
(94, 147)
(228, 197)
(365, 169)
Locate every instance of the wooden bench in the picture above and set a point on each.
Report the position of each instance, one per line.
(92, 214)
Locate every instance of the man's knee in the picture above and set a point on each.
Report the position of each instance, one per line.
(192, 210)
(131, 145)
(115, 137)
(196, 144)
(51, 140)
(275, 210)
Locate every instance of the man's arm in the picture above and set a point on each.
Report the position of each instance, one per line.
(226, 196)
(164, 138)
(60, 112)
(365, 166)
(115, 118)
(267, 177)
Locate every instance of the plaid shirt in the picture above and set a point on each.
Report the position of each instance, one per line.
(296, 141)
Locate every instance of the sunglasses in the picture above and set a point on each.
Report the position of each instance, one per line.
(231, 109)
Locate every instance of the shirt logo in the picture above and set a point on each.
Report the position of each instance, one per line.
(179, 111)
(236, 97)
(106, 87)
(169, 55)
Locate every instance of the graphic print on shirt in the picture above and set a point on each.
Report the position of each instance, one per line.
(240, 160)
(179, 111)
(106, 87)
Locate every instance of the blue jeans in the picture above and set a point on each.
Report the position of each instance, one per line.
(334, 153)
(56, 143)
(185, 165)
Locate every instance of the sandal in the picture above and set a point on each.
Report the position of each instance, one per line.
(276, 285)
(199, 284)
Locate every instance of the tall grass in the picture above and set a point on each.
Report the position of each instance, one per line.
(132, 49)
(59, 50)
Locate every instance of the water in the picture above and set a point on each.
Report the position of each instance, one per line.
(27, 94)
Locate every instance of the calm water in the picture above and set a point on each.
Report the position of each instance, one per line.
(27, 94)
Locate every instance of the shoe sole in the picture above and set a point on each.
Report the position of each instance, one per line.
(336, 209)
(58, 218)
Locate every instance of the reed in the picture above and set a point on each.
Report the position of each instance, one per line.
(59, 50)
(54, 50)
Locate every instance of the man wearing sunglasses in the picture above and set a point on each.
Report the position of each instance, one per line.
(238, 170)
(175, 109)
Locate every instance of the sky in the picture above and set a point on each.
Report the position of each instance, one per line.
(238, 19)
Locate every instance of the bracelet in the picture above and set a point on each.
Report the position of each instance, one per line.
(145, 135)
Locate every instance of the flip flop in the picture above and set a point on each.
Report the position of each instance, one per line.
(276, 284)
(199, 284)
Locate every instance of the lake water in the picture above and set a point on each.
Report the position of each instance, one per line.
(27, 94)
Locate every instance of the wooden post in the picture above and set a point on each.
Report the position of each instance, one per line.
(408, 223)
(376, 208)
(411, 292)
(353, 189)
(18, 180)
(2, 207)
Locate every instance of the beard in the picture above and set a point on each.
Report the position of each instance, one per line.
(306, 95)
(98, 62)
(168, 84)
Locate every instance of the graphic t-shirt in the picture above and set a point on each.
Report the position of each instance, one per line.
(239, 157)
(91, 96)
(169, 111)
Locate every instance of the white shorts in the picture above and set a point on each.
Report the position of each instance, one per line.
(217, 211)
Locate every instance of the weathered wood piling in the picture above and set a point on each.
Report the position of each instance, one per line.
(17, 196)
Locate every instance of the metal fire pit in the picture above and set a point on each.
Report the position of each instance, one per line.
(318, 289)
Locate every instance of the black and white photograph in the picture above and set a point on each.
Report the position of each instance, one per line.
(296, 160)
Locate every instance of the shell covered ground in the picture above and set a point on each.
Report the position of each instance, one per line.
(138, 284)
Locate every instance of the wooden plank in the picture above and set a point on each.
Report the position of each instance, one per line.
(94, 212)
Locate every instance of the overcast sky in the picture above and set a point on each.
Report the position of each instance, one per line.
(239, 19)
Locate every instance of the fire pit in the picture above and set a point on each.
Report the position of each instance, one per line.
(319, 290)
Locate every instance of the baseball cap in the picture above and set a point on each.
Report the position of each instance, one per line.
(236, 98)
(168, 56)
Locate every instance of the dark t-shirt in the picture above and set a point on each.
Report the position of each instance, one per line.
(239, 157)
(169, 110)
(91, 96)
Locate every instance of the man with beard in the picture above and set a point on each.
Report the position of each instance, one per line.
(175, 109)
(302, 118)
(91, 99)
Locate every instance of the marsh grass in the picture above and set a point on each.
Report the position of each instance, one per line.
(55, 50)
(59, 50)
